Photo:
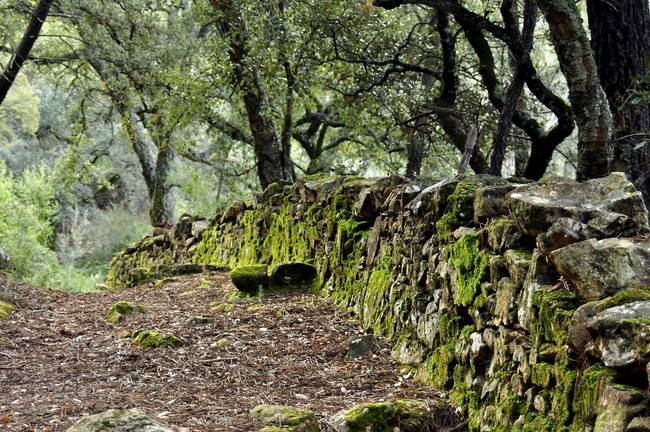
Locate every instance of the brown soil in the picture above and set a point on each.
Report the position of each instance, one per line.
(60, 359)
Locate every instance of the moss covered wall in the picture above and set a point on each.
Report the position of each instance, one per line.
(414, 262)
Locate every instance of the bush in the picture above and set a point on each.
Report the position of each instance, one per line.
(27, 211)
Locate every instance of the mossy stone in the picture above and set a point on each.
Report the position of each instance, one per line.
(398, 414)
(152, 339)
(293, 275)
(251, 279)
(285, 418)
(5, 309)
(122, 309)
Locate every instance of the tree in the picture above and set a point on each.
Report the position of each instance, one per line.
(273, 152)
(17, 60)
(620, 38)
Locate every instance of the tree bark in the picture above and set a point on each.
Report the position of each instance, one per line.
(26, 44)
(620, 38)
(586, 94)
(273, 159)
(161, 212)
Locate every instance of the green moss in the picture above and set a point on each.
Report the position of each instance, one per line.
(471, 265)
(5, 309)
(460, 209)
(438, 367)
(376, 303)
(405, 415)
(251, 279)
(589, 386)
(554, 307)
(285, 418)
(623, 297)
(123, 309)
(542, 374)
(152, 339)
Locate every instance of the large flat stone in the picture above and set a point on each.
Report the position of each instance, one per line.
(129, 420)
(535, 207)
(600, 268)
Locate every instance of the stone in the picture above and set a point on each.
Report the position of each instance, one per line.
(198, 227)
(617, 406)
(359, 346)
(251, 279)
(286, 418)
(505, 302)
(615, 330)
(536, 207)
(518, 262)
(639, 424)
(5, 260)
(367, 205)
(5, 309)
(397, 414)
(152, 339)
(117, 420)
(600, 268)
(122, 310)
(293, 275)
(503, 234)
(490, 202)
(540, 273)
(563, 232)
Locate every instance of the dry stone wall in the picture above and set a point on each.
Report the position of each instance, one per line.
(528, 302)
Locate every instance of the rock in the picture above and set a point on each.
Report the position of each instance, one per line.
(639, 424)
(563, 232)
(5, 260)
(617, 406)
(200, 320)
(503, 234)
(152, 339)
(358, 346)
(122, 309)
(367, 205)
(5, 309)
(251, 279)
(600, 268)
(518, 262)
(198, 227)
(540, 273)
(397, 414)
(505, 302)
(130, 420)
(490, 202)
(285, 418)
(293, 275)
(536, 207)
(615, 330)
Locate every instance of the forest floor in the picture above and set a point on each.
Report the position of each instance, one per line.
(60, 359)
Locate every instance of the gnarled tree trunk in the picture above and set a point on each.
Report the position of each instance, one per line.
(620, 37)
(587, 97)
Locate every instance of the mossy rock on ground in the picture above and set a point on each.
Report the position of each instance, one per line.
(285, 418)
(398, 414)
(152, 339)
(251, 279)
(5, 309)
(118, 420)
(123, 309)
(293, 275)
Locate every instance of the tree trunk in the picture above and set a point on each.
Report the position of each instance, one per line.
(620, 38)
(162, 206)
(22, 52)
(273, 160)
(587, 97)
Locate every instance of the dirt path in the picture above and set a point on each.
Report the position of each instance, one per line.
(60, 359)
